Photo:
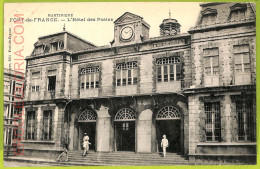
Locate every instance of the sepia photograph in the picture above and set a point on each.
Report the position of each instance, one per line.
(129, 84)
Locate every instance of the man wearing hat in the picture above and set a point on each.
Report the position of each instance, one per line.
(164, 144)
(85, 144)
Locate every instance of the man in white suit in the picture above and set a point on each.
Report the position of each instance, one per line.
(85, 144)
(164, 144)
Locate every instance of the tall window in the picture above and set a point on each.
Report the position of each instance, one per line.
(52, 83)
(213, 121)
(47, 125)
(126, 73)
(168, 69)
(30, 125)
(35, 82)
(90, 77)
(245, 120)
(242, 58)
(211, 62)
(211, 67)
(242, 64)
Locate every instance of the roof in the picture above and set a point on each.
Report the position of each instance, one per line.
(63, 32)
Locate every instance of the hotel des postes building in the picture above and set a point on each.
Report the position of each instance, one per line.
(198, 88)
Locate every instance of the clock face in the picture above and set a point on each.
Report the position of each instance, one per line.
(127, 33)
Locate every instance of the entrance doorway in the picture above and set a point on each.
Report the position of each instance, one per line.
(168, 122)
(90, 129)
(125, 130)
(87, 124)
(171, 128)
(125, 135)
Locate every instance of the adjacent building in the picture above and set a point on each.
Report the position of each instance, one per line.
(198, 88)
(13, 98)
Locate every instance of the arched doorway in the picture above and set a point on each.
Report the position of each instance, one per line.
(87, 124)
(168, 122)
(125, 130)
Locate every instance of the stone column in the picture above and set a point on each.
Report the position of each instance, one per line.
(59, 120)
(194, 120)
(228, 118)
(71, 133)
(184, 128)
(144, 132)
(103, 130)
(24, 112)
(39, 122)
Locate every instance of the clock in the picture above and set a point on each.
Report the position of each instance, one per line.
(127, 33)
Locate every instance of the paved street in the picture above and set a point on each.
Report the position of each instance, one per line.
(22, 164)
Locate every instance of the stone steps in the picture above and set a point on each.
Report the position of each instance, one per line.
(126, 158)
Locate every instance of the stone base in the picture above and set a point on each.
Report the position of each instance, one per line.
(45, 154)
(224, 159)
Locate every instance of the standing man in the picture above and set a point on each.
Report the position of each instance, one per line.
(85, 144)
(164, 144)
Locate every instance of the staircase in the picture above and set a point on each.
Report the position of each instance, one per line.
(125, 159)
(9, 151)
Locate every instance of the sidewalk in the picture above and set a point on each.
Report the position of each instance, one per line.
(42, 162)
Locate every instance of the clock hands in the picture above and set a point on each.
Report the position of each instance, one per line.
(127, 33)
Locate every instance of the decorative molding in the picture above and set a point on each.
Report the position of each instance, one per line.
(125, 114)
(209, 11)
(211, 98)
(238, 6)
(167, 113)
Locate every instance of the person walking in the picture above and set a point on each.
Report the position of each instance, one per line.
(85, 144)
(164, 144)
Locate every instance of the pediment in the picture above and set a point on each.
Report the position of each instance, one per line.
(127, 17)
(238, 6)
(209, 11)
(39, 43)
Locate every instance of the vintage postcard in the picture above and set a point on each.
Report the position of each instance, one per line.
(130, 84)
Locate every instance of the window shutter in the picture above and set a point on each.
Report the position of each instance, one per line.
(238, 59)
(97, 76)
(246, 58)
(135, 73)
(215, 61)
(207, 62)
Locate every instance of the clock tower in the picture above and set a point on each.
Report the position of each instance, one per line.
(130, 29)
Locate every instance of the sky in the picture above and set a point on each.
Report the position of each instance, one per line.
(98, 32)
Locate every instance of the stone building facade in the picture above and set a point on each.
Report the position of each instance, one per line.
(198, 88)
(13, 96)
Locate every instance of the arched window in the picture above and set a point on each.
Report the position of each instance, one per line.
(87, 116)
(168, 113)
(125, 114)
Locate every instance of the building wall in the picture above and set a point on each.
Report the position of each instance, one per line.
(229, 145)
(223, 34)
(146, 59)
(224, 42)
(13, 99)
